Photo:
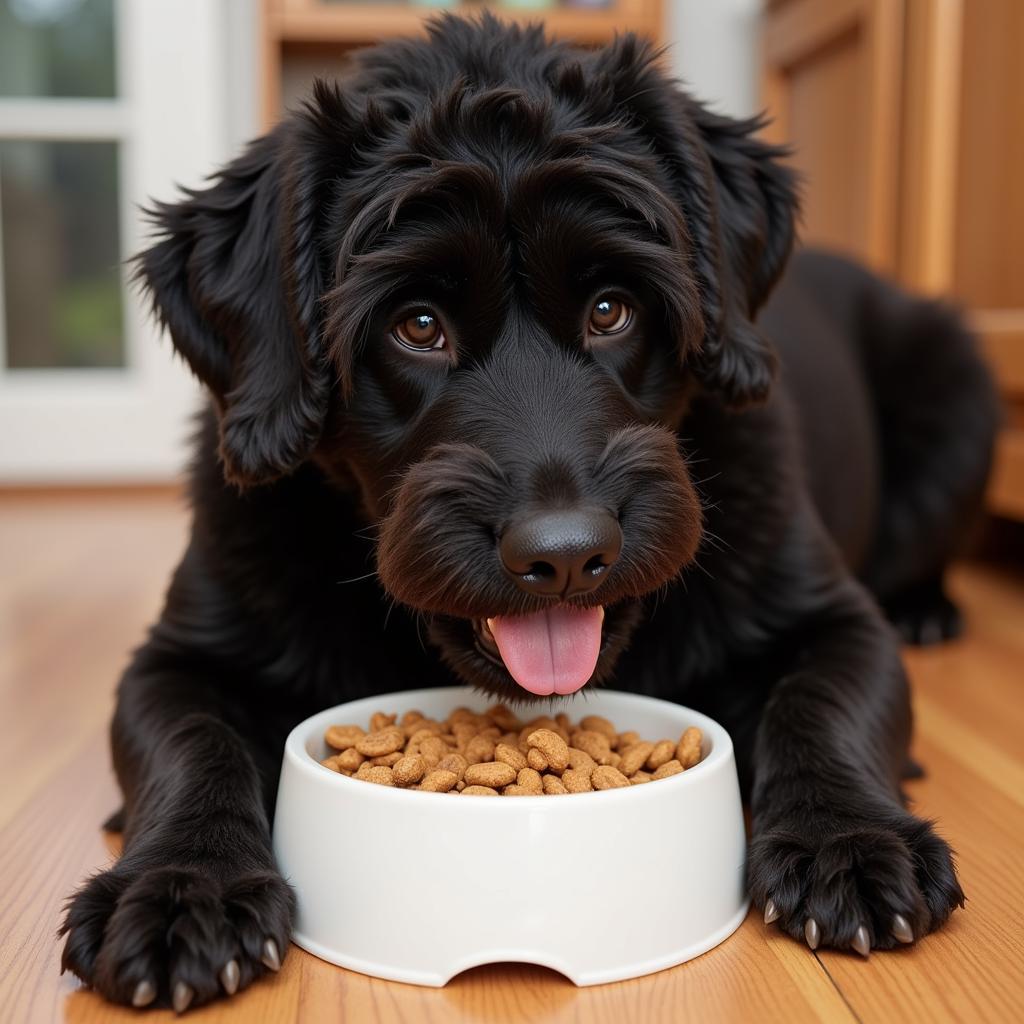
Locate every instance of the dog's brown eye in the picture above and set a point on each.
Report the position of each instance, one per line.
(609, 316)
(421, 331)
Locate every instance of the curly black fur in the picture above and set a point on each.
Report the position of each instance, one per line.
(348, 494)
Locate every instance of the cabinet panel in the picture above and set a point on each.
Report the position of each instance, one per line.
(832, 84)
(989, 251)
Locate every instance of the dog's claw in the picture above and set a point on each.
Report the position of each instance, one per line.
(182, 997)
(771, 912)
(229, 976)
(144, 994)
(812, 933)
(271, 957)
(861, 942)
(901, 929)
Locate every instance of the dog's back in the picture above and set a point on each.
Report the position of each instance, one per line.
(897, 415)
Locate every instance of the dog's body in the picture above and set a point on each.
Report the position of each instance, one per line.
(424, 455)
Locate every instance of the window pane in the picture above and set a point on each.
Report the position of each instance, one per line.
(57, 48)
(61, 253)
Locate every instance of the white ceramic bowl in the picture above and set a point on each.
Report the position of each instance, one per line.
(602, 886)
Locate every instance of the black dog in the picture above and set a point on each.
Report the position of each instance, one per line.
(481, 319)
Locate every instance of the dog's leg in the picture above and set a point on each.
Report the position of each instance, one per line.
(937, 413)
(194, 907)
(835, 857)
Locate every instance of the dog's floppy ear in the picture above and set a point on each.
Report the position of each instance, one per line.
(756, 207)
(236, 277)
(739, 203)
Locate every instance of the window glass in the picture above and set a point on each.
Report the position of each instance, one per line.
(57, 48)
(59, 225)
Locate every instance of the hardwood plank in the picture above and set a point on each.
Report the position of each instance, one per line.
(83, 576)
(973, 969)
(969, 713)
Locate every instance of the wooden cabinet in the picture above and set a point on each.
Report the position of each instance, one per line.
(305, 37)
(907, 118)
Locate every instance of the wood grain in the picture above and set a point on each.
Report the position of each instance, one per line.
(288, 28)
(831, 82)
(82, 577)
(989, 251)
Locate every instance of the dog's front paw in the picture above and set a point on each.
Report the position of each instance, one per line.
(863, 887)
(173, 936)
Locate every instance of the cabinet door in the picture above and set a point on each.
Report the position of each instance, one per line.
(988, 255)
(832, 73)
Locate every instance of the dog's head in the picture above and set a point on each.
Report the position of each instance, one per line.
(479, 283)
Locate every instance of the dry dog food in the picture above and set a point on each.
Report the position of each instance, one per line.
(495, 754)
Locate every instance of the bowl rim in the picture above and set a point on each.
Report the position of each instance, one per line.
(720, 755)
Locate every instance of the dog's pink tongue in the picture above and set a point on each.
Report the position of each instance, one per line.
(553, 651)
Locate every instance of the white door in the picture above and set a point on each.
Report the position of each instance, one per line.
(103, 105)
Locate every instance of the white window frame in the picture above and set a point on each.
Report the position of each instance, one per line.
(170, 119)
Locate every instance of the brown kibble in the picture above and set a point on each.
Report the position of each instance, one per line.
(479, 749)
(607, 777)
(664, 751)
(503, 718)
(576, 781)
(688, 751)
(536, 760)
(554, 748)
(341, 737)
(386, 741)
(463, 733)
(379, 721)
(380, 774)
(509, 755)
(432, 749)
(540, 722)
(593, 743)
(438, 781)
(495, 753)
(350, 759)
(633, 757)
(423, 730)
(490, 773)
(672, 767)
(454, 763)
(581, 760)
(409, 770)
(595, 723)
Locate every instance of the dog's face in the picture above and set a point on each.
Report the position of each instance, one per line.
(480, 287)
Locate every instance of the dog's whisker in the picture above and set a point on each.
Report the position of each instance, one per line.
(357, 579)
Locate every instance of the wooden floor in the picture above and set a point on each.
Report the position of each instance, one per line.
(81, 576)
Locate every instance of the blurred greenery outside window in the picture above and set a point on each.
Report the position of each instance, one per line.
(59, 192)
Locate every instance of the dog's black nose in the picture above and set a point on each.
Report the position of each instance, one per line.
(561, 553)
